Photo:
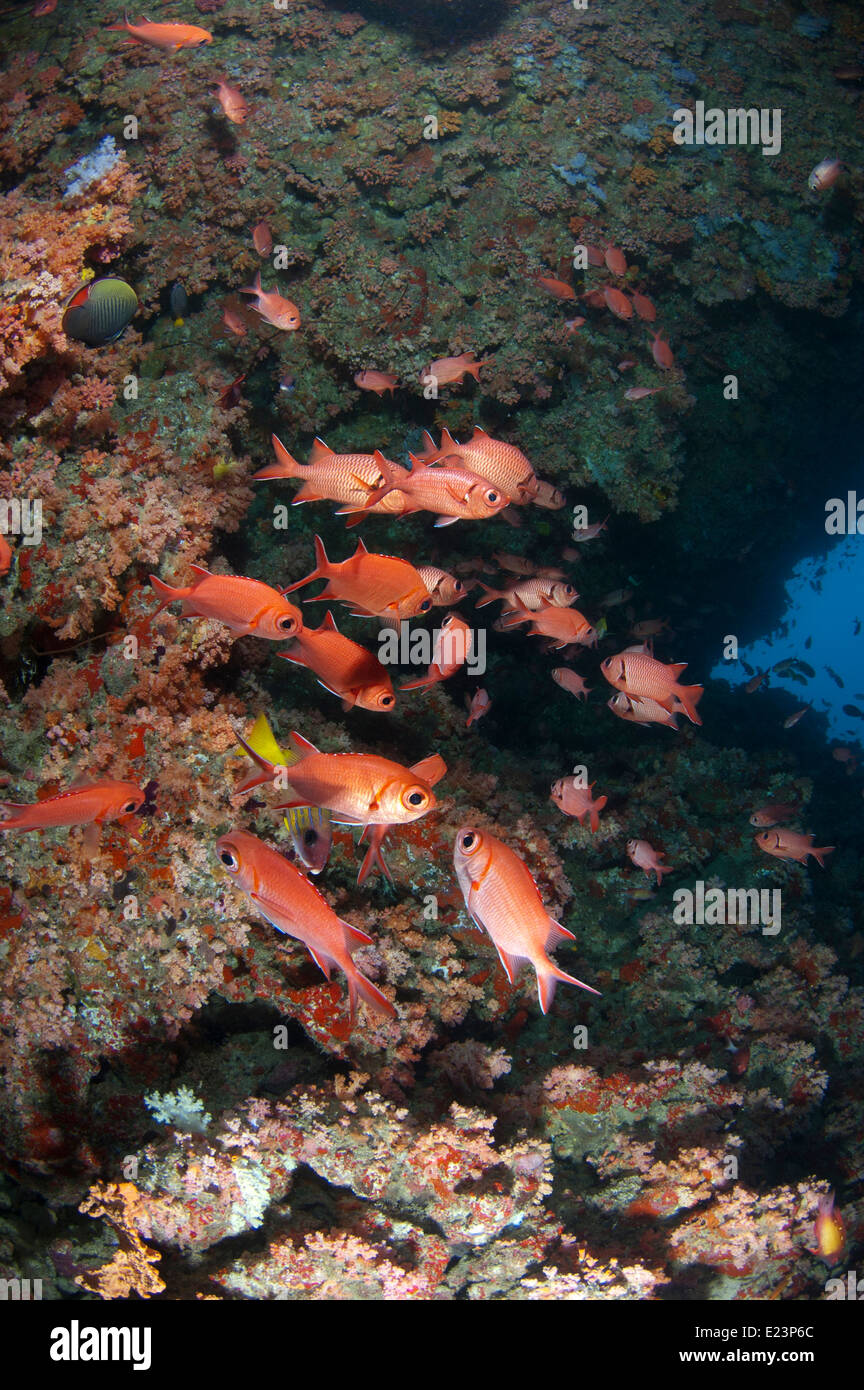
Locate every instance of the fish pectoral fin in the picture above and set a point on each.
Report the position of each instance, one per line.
(446, 521)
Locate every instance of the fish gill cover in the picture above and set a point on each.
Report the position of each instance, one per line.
(555, 303)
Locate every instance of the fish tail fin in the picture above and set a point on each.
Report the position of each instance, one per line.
(690, 695)
(321, 570)
(817, 853)
(596, 808)
(11, 814)
(255, 288)
(166, 594)
(489, 596)
(284, 467)
(361, 988)
(548, 976)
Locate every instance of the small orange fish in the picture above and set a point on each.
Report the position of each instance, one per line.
(773, 813)
(644, 308)
(642, 711)
(453, 647)
(661, 351)
(502, 898)
(548, 496)
(477, 706)
(825, 175)
(233, 103)
(791, 844)
(234, 323)
(645, 857)
(531, 593)
(641, 675)
(595, 255)
(375, 586)
(563, 625)
(281, 313)
(450, 371)
(343, 667)
(357, 788)
(84, 803)
(649, 627)
(262, 238)
(285, 898)
(49, 6)
(618, 303)
(595, 299)
(516, 564)
(170, 38)
(7, 555)
(616, 261)
(346, 478)
(500, 463)
(559, 289)
(573, 325)
(575, 800)
(638, 393)
(829, 1231)
(445, 588)
(571, 681)
(246, 606)
(755, 681)
(379, 382)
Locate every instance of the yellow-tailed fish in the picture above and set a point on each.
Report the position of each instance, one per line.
(309, 826)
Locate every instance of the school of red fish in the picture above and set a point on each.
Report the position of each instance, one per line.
(476, 480)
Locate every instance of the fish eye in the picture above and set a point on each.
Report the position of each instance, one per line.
(458, 586)
(448, 621)
(286, 623)
(469, 840)
(228, 860)
(129, 808)
(492, 498)
(426, 605)
(387, 699)
(416, 798)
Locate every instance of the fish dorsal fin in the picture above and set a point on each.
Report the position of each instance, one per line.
(677, 668)
(429, 445)
(329, 623)
(79, 784)
(447, 441)
(557, 933)
(361, 549)
(302, 746)
(319, 451)
(479, 434)
(431, 769)
(382, 462)
(200, 572)
(355, 936)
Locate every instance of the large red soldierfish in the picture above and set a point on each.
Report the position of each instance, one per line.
(445, 588)
(168, 37)
(502, 898)
(791, 844)
(343, 667)
(494, 459)
(563, 625)
(376, 586)
(233, 103)
(288, 901)
(646, 857)
(329, 477)
(357, 788)
(531, 593)
(450, 371)
(574, 799)
(452, 492)
(84, 803)
(643, 677)
(247, 606)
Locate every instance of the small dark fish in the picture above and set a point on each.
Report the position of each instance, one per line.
(808, 644)
(834, 676)
(857, 628)
(100, 311)
(311, 835)
(179, 301)
(802, 665)
(231, 395)
(854, 711)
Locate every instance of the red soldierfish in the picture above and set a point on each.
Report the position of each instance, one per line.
(286, 899)
(84, 803)
(502, 898)
(376, 586)
(246, 606)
